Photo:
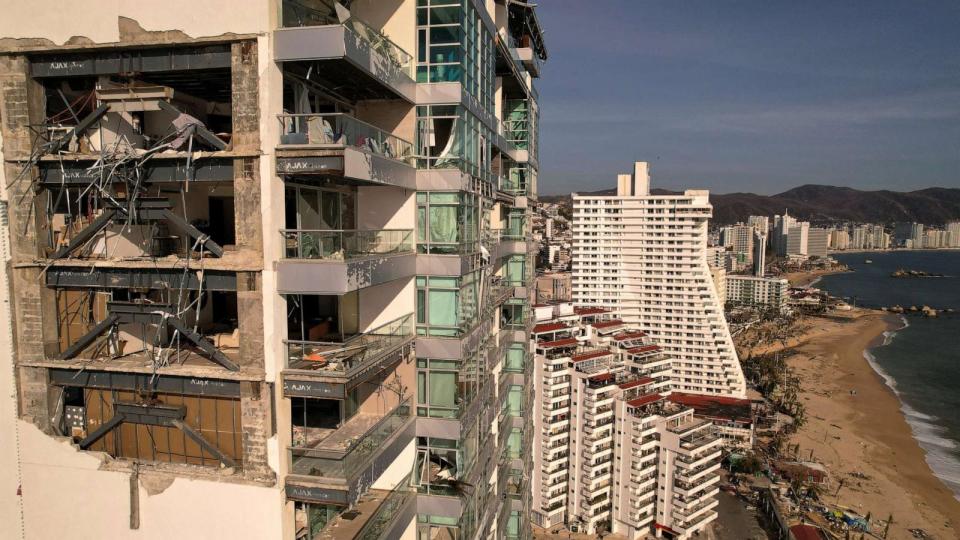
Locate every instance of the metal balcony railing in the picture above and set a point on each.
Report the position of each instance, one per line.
(338, 130)
(300, 13)
(351, 356)
(344, 245)
(328, 464)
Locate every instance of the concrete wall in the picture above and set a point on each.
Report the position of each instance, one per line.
(58, 501)
(386, 208)
(97, 20)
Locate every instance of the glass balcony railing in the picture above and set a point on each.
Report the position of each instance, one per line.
(339, 129)
(386, 514)
(346, 465)
(344, 245)
(300, 13)
(351, 356)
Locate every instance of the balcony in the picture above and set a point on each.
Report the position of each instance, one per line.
(327, 369)
(695, 524)
(340, 466)
(341, 145)
(378, 514)
(365, 61)
(340, 261)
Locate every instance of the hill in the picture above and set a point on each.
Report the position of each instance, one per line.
(820, 204)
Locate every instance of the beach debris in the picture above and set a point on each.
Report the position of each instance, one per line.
(919, 533)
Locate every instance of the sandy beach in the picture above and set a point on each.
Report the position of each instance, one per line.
(802, 279)
(864, 432)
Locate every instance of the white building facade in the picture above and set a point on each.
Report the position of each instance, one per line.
(757, 291)
(645, 257)
(612, 451)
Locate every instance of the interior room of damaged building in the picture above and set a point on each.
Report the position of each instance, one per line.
(136, 282)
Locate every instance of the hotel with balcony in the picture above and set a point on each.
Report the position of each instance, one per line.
(613, 449)
(270, 268)
(645, 257)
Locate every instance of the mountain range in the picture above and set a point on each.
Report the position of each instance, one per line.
(828, 204)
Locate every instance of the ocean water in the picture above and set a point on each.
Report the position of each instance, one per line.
(921, 360)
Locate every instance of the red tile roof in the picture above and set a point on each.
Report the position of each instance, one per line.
(590, 310)
(643, 400)
(607, 324)
(602, 377)
(548, 327)
(588, 355)
(629, 335)
(567, 342)
(724, 408)
(643, 349)
(637, 382)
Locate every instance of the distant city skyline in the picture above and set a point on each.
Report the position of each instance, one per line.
(754, 96)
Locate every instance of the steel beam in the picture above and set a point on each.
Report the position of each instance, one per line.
(143, 60)
(144, 382)
(54, 174)
(88, 338)
(194, 233)
(203, 344)
(198, 438)
(87, 233)
(140, 278)
(53, 147)
(104, 428)
(199, 130)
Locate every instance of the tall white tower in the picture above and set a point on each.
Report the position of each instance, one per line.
(644, 256)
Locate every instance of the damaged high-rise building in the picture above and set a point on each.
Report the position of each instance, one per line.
(267, 270)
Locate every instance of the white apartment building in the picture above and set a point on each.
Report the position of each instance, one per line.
(760, 223)
(953, 232)
(757, 291)
(817, 241)
(759, 253)
(613, 450)
(839, 239)
(645, 257)
(781, 231)
(797, 238)
(743, 239)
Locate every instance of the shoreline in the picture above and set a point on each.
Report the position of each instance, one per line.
(858, 428)
(887, 250)
(809, 278)
(917, 421)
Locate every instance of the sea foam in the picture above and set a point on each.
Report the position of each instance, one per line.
(938, 449)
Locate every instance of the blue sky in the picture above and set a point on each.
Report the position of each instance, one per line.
(751, 96)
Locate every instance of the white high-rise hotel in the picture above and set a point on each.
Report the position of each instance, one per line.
(644, 256)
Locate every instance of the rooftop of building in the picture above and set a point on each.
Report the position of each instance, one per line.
(720, 408)
(645, 400)
(566, 342)
(625, 336)
(590, 310)
(543, 328)
(643, 349)
(642, 381)
(607, 324)
(587, 355)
